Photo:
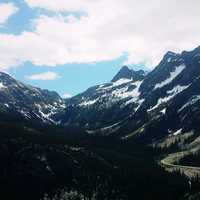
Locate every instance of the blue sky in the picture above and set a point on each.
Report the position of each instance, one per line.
(68, 46)
(74, 78)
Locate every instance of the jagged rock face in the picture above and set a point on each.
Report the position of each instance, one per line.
(174, 74)
(126, 73)
(167, 98)
(171, 92)
(128, 103)
(104, 105)
(29, 102)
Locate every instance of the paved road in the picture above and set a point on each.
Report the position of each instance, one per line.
(190, 171)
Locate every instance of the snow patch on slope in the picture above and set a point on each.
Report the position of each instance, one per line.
(178, 132)
(124, 93)
(46, 115)
(169, 60)
(171, 94)
(89, 103)
(172, 76)
(128, 91)
(121, 81)
(192, 101)
(112, 85)
(2, 86)
(133, 94)
(178, 89)
(163, 111)
(25, 114)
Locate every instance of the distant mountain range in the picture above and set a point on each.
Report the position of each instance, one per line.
(28, 102)
(114, 141)
(130, 101)
(135, 99)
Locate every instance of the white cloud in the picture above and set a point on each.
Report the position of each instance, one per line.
(66, 96)
(46, 76)
(6, 11)
(60, 5)
(107, 29)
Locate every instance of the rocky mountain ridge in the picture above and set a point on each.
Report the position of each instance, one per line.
(130, 102)
(29, 102)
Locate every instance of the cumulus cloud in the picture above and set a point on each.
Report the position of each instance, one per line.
(6, 11)
(60, 5)
(104, 30)
(46, 76)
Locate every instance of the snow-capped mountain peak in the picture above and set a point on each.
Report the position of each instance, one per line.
(136, 96)
(127, 73)
(132, 97)
(27, 101)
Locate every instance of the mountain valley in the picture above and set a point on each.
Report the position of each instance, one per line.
(139, 132)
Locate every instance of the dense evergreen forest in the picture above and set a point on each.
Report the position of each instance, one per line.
(190, 160)
(47, 162)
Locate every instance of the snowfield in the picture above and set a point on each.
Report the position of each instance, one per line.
(172, 76)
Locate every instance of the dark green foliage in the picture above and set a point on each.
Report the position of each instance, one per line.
(191, 160)
(36, 161)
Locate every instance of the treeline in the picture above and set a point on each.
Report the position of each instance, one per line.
(40, 162)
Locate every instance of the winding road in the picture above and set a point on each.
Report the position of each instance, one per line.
(189, 171)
